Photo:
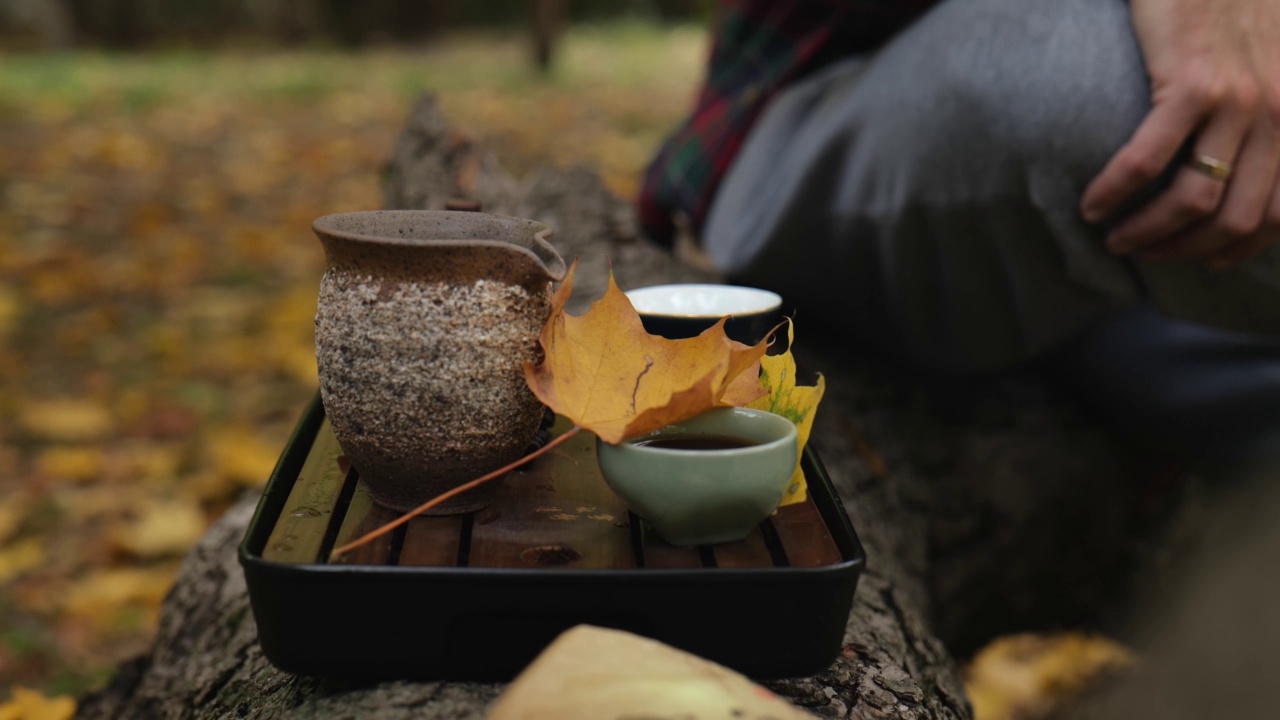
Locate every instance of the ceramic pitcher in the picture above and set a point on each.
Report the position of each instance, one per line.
(424, 324)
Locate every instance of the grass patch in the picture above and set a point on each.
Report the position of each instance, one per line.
(624, 55)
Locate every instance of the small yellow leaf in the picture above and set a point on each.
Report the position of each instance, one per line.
(10, 309)
(298, 360)
(13, 510)
(162, 528)
(1028, 675)
(795, 402)
(31, 705)
(68, 419)
(241, 456)
(71, 463)
(102, 595)
(21, 557)
(602, 371)
(93, 500)
(149, 461)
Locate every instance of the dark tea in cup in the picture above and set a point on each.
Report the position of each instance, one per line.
(697, 442)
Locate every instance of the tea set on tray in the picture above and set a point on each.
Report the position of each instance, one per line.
(442, 351)
(425, 325)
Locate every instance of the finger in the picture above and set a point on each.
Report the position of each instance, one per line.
(1272, 222)
(1251, 213)
(1254, 246)
(1201, 240)
(1243, 251)
(1192, 197)
(1143, 158)
(1248, 195)
(1251, 189)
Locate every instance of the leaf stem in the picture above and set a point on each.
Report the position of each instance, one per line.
(383, 530)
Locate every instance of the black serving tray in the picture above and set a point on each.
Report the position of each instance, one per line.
(478, 596)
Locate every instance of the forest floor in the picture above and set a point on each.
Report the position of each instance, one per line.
(158, 279)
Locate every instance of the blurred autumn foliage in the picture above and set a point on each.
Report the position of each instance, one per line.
(158, 279)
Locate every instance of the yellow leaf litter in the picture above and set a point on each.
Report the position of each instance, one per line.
(31, 705)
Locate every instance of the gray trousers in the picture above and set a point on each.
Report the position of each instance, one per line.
(924, 201)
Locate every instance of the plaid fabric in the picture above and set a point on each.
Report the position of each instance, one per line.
(759, 46)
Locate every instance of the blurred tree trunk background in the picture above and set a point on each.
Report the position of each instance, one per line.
(141, 24)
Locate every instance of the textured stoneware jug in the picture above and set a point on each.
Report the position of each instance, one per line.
(424, 324)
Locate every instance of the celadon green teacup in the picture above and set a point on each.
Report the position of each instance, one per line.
(700, 496)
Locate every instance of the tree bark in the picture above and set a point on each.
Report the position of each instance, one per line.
(978, 502)
(545, 27)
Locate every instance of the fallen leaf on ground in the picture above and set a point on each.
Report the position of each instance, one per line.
(13, 510)
(70, 462)
(92, 500)
(148, 462)
(602, 371)
(1029, 676)
(162, 528)
(10, 309)
(31, 705)
(67, 419)
(290, 339)
(20, 557)
(102, 595)
(240, 455)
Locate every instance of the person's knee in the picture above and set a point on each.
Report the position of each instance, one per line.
(1027, 82)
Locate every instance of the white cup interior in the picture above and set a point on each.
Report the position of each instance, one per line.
(694, 300)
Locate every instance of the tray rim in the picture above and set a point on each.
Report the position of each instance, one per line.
(298, 445)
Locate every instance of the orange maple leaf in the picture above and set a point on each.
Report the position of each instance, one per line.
(602, 371)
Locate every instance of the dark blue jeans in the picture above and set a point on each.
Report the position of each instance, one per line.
(1206, 398)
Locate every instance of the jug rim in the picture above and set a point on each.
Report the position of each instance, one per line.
(553, 263)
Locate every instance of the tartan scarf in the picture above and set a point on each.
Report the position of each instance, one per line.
(759, 46)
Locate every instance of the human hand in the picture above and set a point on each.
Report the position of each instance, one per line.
(1215, 77)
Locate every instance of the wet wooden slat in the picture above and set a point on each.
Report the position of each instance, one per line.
(556, 513)
(363, 515)
(432, 541)
(805, 537)
(750, 552)
(659, 554)
(299, 531)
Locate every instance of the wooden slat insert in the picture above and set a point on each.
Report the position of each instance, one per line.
(750, 552)
(363, 515)
(432, 540)
(804, 535)
(557, 513)
(300, 529)
(660, 554)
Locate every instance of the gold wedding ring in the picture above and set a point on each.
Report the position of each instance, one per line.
(1210, 166)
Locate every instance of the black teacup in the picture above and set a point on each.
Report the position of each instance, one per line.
(682, 311)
